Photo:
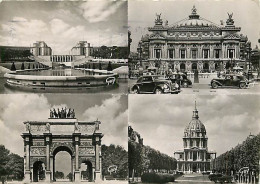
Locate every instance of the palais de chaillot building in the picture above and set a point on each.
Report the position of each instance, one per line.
(194, 43)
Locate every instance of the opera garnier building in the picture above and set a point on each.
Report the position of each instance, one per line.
(193, 43)
(195, 157)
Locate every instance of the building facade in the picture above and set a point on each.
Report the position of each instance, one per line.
(82, 48)
(61, 132)
(194, 44)
(40, 48)
(195, 157)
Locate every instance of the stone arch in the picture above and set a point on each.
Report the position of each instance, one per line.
(87, 173)
(66, 146)
(38, 172)
(194, 66)
(206, 66)
(58, 149)
(182, 66)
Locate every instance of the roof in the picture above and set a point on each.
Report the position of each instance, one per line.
(195, 21)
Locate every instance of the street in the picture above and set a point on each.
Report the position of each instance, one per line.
(204, 88)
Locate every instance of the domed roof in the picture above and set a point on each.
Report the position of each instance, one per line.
(194, 21)
(195, 124)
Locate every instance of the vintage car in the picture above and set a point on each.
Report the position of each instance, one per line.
(155, 84)
(230, 80)
(181, 79)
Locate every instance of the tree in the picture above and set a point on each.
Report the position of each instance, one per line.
(109, 67)
(13, 68)
(115, 155)
(10, 164)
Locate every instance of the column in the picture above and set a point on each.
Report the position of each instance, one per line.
(197, 155)
(27, 172)
(97, 143)
(47, 142)
(184, 155)
(51, 168)
(77, 172)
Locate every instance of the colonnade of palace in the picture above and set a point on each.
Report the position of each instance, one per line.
(61, 58)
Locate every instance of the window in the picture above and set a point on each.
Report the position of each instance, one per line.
(217, 53)
(182, 53)
(147, 79)
(171, 53)
(231, 53)
(193, 54)
(206, 53)
(158, 53)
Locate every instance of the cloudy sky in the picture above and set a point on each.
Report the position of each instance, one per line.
(62, 24)
(111, 110)
(142, 14)
(161, 120)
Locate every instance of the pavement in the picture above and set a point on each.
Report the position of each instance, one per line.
(193, 179)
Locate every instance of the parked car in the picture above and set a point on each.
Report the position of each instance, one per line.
(155, 84)
(230, 80)
(181, 79)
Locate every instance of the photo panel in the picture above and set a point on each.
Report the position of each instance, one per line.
(64, 138)
(194, 47)
(193, 138)
(63, 47)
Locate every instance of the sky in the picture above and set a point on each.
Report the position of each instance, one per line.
(141, 14)
(62, 24)
(161, 120)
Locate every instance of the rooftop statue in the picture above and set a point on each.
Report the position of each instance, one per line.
(158, 17)
(194, 10)
(64, 113)
(230, 20)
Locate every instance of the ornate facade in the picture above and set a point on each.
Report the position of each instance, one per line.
(195, 157)
(194, 44)
(43, 140)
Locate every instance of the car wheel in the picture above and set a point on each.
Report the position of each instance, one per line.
(158, 91)
(242, 85)
(135, 91)
(214, 85)
(185, 85)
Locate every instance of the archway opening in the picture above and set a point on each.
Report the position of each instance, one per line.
(38, 171)
(63, 164)
(86, 171)
(206, 67)
(194, 66)
(182, 67)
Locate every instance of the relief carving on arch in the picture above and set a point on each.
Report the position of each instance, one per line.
(69, 145)
(38, 151)
(86, 150)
